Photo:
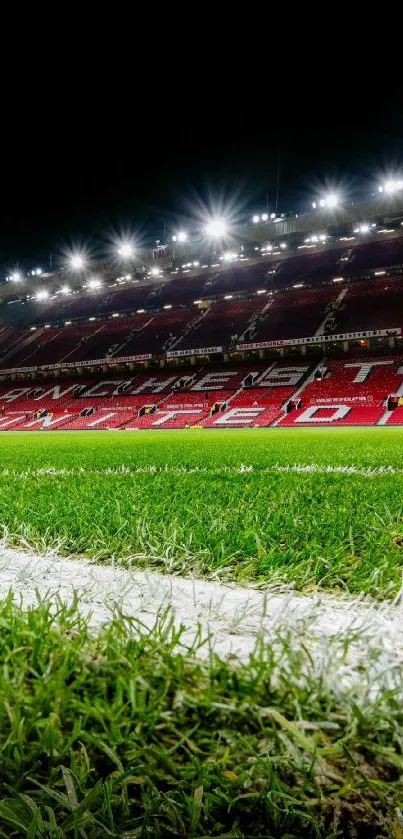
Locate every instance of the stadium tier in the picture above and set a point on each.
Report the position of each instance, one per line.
(354, 391)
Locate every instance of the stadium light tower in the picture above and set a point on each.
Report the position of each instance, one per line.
(216, 228)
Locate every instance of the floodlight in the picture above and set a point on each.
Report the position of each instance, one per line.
(256, 219)
(216, 228)
(265, 217)
(65, 289)
(182, 236)
(332, 200)
(155, 272)
(38, 271)
(94, 283)
(283, 245)
(314, 205)
(272, 215)
(126, 250)
(42, 295)
(16, 277)
(391, 186)
(77, 262)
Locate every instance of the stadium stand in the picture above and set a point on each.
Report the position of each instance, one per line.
(352, 391)
(218, 312)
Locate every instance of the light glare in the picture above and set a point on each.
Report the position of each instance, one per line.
(216, 228)
(77, 262)
(126, 250)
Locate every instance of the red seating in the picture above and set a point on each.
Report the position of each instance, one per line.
(294, 314)
(223, 322)
(365, 381)
(242, 418)
(396, 418)
(371, 304)
(337, 414)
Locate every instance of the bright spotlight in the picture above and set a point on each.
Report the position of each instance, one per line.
(94, 283)
(38, 271)
(332, 200)
(256, 219)
(65, 289)
(126, 250)
(391, 186)
(155, 272)
(42, 295)
(216, 228)
(77, 262)
(182, 236)
(16, 277)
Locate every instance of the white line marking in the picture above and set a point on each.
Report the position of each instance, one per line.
(298, 468)
(235, 618)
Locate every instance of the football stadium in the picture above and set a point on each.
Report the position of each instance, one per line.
(201, 515)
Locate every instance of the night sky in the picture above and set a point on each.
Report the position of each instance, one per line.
(79, 169)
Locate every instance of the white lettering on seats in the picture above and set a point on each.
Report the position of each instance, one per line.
(6, 421)
(239, 416)
(399, 391)
(117, 392)
(47, 422)
(103, 418)
(170, 415)
(365, 369)
(311, 413)
(156, 385)
(213, 381)
(55, 392)
(282, 376)
(14, 394)
(93, 391)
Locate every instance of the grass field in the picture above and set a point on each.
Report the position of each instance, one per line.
(123, 733)
(216, 504)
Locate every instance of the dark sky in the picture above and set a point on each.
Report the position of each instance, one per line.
(82, 161)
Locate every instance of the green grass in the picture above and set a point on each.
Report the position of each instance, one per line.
(122, 735)
(312, 530)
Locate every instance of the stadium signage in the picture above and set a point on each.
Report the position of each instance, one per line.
(62, 365)
(321, 339)
(202, 351)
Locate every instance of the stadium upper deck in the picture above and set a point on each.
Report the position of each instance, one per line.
(332, 294)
